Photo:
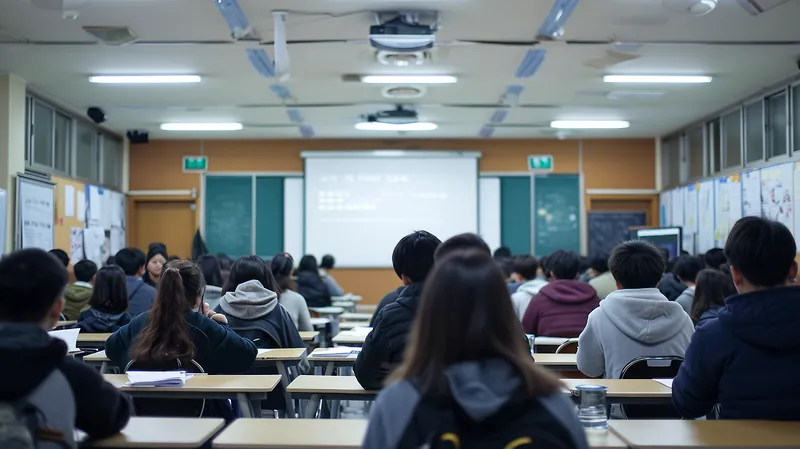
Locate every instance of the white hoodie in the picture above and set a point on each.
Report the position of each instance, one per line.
(522, 297)
(629, 324)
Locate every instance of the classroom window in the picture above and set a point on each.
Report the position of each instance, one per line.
(777, 122)
(112, 162)
(754, 131)
(732, 139)
(63, 142)
(796, 115)
(714, 140)
(42, 134)
(87, 153)
(694, 139)
(671, 161)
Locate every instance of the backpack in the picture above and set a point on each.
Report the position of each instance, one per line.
(522, 423)
(43, 419)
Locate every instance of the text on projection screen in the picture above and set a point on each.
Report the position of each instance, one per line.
(357, 209)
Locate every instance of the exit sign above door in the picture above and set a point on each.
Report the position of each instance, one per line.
(195, 164)
(540, 163)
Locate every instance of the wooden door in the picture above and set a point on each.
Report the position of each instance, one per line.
(171, 222)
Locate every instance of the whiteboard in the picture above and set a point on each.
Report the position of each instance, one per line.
(35, 212)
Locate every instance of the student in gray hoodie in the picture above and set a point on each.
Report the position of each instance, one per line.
(634, 321)
(468, 375)
(525, 269)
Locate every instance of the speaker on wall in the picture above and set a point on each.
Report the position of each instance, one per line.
(137, 136)
(96, 114)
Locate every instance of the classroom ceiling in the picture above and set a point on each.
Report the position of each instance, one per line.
(744, 53)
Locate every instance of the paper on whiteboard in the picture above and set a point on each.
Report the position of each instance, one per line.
(796, 200)
(705, 213)
(81, 206)
(690, 209)
(116, 208)
(677, 207)
(69, 201)
(75, 244)
(94, 239)
(117, 240)
(95, 206)
(777, 188)
(37, 215)
(751, 193)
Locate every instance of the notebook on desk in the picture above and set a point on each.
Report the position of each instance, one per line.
(68, 336)
(157, 378)
(339, 351)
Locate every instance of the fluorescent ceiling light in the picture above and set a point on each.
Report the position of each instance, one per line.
(379, 126)
(144, 79)
(589, 124)
(663, 79)
(201, 126)
(408, 79)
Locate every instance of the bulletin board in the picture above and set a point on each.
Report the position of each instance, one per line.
(64, 223)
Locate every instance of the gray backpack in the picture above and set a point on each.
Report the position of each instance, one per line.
(43, 420)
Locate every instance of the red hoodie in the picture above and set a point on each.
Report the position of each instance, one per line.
(560, 309)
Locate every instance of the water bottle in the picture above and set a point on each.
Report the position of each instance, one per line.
(531, 343)
(592, 408)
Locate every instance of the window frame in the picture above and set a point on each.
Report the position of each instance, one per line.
(768, 128)
(745, 143)
(724, 139)
(794, 117)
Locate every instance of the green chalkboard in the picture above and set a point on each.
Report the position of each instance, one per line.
(515, 213)
(269, 215)
(557, 212)
(228, 211)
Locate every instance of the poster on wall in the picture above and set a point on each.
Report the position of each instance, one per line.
(690, 209)
(751, 193)
(76, 244)
(777, 189)
(705, 213)
(665, 210)
(677, 207)
(728, 206)
(796, 192)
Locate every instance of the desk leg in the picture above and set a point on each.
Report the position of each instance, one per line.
(330, 368)
(313, 405)
(285, 384)
(104, 368)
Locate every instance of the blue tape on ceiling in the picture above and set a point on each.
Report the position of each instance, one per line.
(306, 131)
(530, 64)
(486, 132)
(515, 89)
(281, 91)
(294, 115)
(557, 18)
(234, 17)
(498, 116)
(261, 62)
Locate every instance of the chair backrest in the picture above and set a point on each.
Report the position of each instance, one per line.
(187, 408)
(568, 347)
(651, 367)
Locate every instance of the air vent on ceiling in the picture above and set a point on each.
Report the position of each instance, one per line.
(403, 92)
(402, 59)
(756, 7)
(112, 35)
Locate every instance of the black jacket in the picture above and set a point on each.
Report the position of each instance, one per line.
(98, 321)
(219, 350)
(671, 287)
(747, 360)
(384, 346)
(29, 355)
(385, 301)
(278, 325)
(313, 289)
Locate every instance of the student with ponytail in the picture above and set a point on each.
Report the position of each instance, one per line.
(180, 326)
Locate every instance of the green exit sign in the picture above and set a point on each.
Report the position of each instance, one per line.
(195, 164)
(540, 162)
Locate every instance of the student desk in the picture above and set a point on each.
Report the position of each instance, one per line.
(65, 324)
(351, 338)
(674, 434)
(245, 388)
(309, 336)
(626, 391)
(326, 312)
(348, 297)
(321, 325)
(366, 308)
(356, 316)
(332, 362)
(328, 434)
(94, 341)
(348, 306)
(161, 433)
(318, 388)
(557, 362)
(349, 325)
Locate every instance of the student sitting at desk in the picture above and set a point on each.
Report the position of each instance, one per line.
(250, 304)
(712, 289)
(154, 263)
(140, 295)
(212, 273)
(383, 348)
(525, 269)
(748, 359)
(561, 308)
(108, 304)
(634, 321)
(76, 296)
(310, 285)
(181, 328)
(281, 266)
(686, 270)
(468, 377)
(325, 265)
(65, 393)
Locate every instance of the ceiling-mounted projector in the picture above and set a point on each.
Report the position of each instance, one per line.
(404, 33)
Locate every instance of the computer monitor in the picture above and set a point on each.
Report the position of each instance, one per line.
(670, 239)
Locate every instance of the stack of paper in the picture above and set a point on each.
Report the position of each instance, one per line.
(69, 336)
(664, 382)
(339, 351)
(157, 378)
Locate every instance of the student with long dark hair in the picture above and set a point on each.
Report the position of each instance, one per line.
(212, 273)
(180, 327)
(281, 266)
(309, 283)
(108, 306)
(711, 290)
(467, 372)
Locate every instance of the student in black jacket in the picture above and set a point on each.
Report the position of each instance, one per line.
(108, 304)
(309, 283)
(383, 348)
(32, 283)
(181, 327)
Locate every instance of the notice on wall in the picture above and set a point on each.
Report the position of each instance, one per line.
(116, 240)
(796, 228)
(37, 215)
(751, 193)
(777, 189)
(94, 238)
(690, 205)
(706, 214)
(95, 206)
(75, 244)
(69, 201)
(677, 207)
(80, 203)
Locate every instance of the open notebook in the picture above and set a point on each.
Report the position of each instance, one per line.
(69, 336)
(157, 378)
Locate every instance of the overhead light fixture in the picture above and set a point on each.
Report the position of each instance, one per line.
(589, 124)
(658, 79)
(237, 22)
(408, 79)
(144, 79)
(380, 126)
(201, 126)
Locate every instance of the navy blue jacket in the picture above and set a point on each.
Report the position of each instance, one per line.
(98, 321)
(140, 296)
(747, 360)
(219, 350)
